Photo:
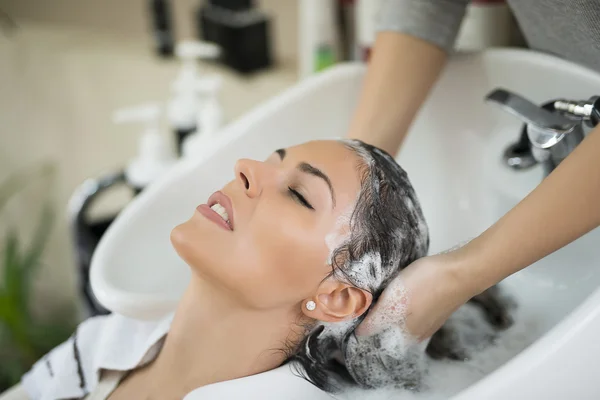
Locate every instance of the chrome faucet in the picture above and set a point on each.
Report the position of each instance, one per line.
(551, 131)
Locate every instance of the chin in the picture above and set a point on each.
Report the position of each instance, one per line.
(197, 248)
(210, 255)
(178, 238)
(186, 240)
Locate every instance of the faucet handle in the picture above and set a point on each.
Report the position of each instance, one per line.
(529, 112)
(544, 127)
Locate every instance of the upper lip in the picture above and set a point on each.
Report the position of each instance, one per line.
(225, 202)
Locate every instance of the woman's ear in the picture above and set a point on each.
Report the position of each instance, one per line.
(336, 301)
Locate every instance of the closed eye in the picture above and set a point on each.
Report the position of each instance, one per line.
(299, 198)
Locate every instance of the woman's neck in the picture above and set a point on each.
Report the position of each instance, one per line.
(214, 339)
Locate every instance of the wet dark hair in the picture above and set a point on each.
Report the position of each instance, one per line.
(387, 233)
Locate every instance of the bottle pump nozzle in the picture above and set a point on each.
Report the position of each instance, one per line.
(183, 107)
(210, 116)
(189, 52)
(154, 154)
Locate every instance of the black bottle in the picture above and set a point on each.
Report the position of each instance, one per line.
(241, 31)
(233, 5)
(162, 27)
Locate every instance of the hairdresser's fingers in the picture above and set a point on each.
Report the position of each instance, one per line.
(390, 310)
(419, 300)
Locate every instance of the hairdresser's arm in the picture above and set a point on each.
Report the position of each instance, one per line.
(564, 207)
(400, 75)
(409, 53)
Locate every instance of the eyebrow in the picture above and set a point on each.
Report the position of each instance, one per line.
(309, 169)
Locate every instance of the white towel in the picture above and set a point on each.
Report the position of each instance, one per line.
(117, 343)
(111, 342)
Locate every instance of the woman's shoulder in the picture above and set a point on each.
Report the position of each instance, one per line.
(71, 369)
(281, 383)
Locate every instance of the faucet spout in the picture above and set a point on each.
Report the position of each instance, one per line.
(551, 133)
(529, 112)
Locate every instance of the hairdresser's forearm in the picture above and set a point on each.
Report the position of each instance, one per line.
(564, 207)
(401, 73)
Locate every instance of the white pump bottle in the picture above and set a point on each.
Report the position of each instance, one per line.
(183, 107)
(155, 155)
(209, 118)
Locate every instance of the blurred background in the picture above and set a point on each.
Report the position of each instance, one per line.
(98, 99)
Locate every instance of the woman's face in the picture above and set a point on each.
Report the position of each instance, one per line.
(273, 252)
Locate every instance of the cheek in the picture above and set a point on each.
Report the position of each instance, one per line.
(278, 258)
(285, 255)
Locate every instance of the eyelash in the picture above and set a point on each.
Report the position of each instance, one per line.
(298, 197)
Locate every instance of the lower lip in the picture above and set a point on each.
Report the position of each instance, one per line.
(205, 210)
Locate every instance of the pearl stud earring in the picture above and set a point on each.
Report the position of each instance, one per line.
(311, 305)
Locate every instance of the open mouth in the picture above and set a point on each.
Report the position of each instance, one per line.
(219, 209)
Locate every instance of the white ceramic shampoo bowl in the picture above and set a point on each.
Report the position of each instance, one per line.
(453, 159)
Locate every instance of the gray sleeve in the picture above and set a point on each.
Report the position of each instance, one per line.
(435, 21)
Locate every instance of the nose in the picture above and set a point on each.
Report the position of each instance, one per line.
(252, 175)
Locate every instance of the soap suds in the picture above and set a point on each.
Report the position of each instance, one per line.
(393, 303)
(339, 235)
(386, 354)
(368, 272)
(486, 350)
(390, 358)
(362, 152)
(383, 232)
(391, 309)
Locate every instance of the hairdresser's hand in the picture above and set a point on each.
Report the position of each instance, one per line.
(420, 299)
